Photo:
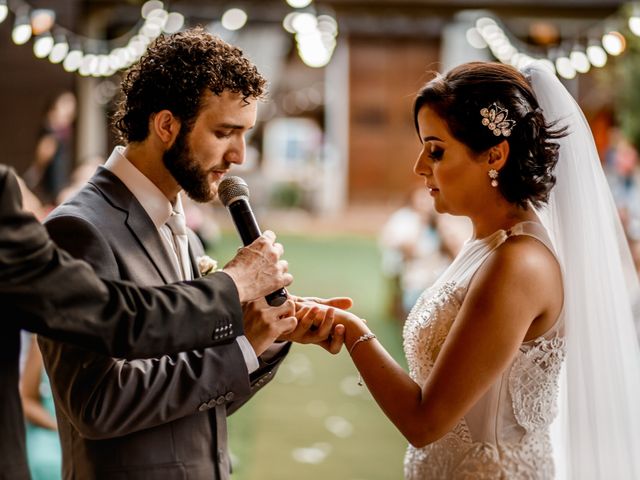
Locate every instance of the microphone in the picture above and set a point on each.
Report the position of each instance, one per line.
(234, 194)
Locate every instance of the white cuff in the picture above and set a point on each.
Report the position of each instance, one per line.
(248, 353)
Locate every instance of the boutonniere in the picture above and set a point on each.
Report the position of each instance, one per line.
(206, 265)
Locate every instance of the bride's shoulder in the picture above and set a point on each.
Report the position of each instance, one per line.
(523, 263)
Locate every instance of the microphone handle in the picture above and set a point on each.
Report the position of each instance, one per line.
(248, 229)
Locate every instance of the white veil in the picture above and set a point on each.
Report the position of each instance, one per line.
(600, 388)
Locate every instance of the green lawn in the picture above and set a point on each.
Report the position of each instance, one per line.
(313, 421)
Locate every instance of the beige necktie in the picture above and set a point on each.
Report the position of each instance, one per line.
(178, 227)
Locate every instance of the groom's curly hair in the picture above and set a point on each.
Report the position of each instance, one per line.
(173, 75)
(458, 96)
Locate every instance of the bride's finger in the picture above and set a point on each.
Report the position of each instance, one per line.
(336, 340)
(325, 326)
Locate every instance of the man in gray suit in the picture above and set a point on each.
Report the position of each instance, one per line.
(44, 290)
(187, 105)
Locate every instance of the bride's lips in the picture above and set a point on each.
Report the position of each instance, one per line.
(432, 190)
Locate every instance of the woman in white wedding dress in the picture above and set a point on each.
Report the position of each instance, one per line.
(535, 285)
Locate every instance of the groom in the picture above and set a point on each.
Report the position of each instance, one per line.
(186, 108)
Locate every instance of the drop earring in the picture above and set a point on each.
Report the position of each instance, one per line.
(493, 175)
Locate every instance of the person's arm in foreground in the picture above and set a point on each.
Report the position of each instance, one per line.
(44, 290)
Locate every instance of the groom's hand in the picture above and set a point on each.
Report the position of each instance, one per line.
(263, 324)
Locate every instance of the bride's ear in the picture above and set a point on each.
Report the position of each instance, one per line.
(497, 155)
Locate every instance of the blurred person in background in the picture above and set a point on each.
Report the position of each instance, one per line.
(50, 171)
(412, 251)
(43, 445)
(623, 173)
(535, 314)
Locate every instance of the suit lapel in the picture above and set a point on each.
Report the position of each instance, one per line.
(137, 221)
(193, 240)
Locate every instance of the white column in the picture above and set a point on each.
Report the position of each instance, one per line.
(334, 194)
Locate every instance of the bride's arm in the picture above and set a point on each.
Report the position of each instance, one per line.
(509, 294)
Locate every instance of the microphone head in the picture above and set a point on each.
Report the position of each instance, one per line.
(232, 188)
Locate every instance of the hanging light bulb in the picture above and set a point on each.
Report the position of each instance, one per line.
(150, 6)
(596, 55)
(614, 43)
(298, 3)
(579, 60)
(43, 45)
(59, 50)
(564, 68)
(234, 19)
(175, 21)
(42, 20)
(73, 60)
(21, 30)
(4, 10)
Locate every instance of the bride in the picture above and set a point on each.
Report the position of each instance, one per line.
(534, 316)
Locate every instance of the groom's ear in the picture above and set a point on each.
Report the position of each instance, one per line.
(498, 154)
(165, 126)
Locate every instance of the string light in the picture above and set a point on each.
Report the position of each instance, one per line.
(614, 43)
(234, 19)
(579, 61)
(43, 45)
(315, 36)
(299, 3)
(596, 55)
(4, 10)
(59, 50)
(486, 33)
(21, 33)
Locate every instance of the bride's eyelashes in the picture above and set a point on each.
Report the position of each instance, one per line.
(436, 153)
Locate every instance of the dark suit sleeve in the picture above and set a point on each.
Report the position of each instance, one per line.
(106, 397)
(44, 290)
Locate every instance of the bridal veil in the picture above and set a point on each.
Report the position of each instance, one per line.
(599, 403)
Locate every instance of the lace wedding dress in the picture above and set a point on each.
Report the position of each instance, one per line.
(506, 434)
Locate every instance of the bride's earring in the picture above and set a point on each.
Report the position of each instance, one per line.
(493, 175)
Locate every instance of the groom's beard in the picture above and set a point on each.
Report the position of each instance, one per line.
(186, 171)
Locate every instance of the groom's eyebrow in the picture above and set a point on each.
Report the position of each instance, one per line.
(430, 138)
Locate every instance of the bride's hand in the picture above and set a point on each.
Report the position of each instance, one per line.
(343, 303)
(316, 325)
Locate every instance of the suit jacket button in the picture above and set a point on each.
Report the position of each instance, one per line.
(211, 403)
(203, 407)
(220, 400)
(229, 396)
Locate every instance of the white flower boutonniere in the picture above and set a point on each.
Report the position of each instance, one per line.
(206, 265)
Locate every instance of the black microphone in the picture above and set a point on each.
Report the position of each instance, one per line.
(234, 194)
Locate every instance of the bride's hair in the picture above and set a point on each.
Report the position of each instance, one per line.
(459, 95)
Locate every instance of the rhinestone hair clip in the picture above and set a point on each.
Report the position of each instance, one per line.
(495, 118)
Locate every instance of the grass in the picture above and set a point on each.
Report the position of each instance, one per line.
(313, 421)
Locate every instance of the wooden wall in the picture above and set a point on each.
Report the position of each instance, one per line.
(384, 76)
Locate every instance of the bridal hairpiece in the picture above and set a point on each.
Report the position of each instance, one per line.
(495, 118)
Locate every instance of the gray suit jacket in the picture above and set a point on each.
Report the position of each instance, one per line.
(45, 290)
(161, 418)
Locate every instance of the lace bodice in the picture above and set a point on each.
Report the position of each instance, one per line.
(506, 433)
